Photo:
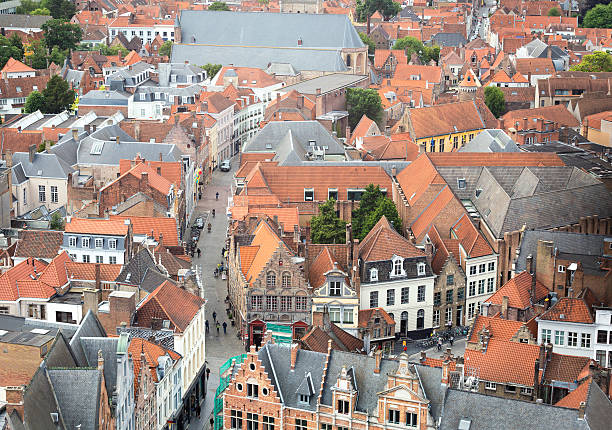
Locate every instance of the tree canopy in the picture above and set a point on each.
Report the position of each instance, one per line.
(554, 11)
(60, 9)
(368, 42)
(211, 69)
(367, 8)
(327, 227)
(10, 47)
(495, 100)
(412, 45)
(598, 61)
(61, 34)
(362, 101)
(34, 102)
(218, 5)
(57, 222)
(372, 206)
(166, 48)
(58, 95)
(599, 16)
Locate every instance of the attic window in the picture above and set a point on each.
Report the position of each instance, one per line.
(478, 192)
(18, 89)
(308, 194)
(421, 269)
(461, 183)
(373, 274)
(304, 398)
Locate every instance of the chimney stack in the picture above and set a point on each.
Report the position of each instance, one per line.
(294, 352)
(100, 361)
(378, 358)
(504, 309)
(144, 178)
(581, 410)
(14, 401)
(98, 278)
(75, 134)
(529, 264)
(348, 134)
(32, 152)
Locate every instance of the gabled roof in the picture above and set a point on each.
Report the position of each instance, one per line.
(472, 242)
(576, 397)
(470, 80)
(365, 315)
(169, 302)
(569, 309)
(361, 129)
(445, 119)
(143, 225)
(499, 329)
(155, 180)
(39, 243)
(14, 66)
(152, 352)
(87, 271)
(383, 242)
(265, 242)
(96, 226)
(501, 77)
(518, 291)
(323, 263)
(567, 368)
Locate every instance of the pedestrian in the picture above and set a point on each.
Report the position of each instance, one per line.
(217, 196)
(224, 327)
(198, 411)
(215, 316)
(439, 343)
(199, 252)
(207, 373)
(222, 252)
(218, 327)
(207, 327)
(451, 339)
(212, 423)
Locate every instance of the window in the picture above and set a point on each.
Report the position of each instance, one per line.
(471, 310)
(85, 258)
(421, 269)
(112, 243)
(301, 303)
(450, 279)
(449, 316)
(572, 338)
(455, 142)
(335, 288)
(394, 416)
(481, 286)
(491, 266)
(482, 268)
(472, 270)
(449, 296)
(327, 427)
(142, 97)
(271, 280)
(4, 310)
(391, 297)
(511, 388)
(285, 303)
(236, 419)
(271, 303)
(354, 194)
(334, 315)
(373, 275)
(421, 293)
(546, 336)
(405, 294)
(99, 259)
(286, 280)
(420, 319)
(397, 266)
(461, 183)
(490, 386)
(436, 318)
(54, 195)
(112, 259)
(99, 242)
(561, 268)
(268, 423)
(526, 391)
(559, 337)
(252, 421)
(300, 424)
(437, 298)
(472, 290)
(348, 316)
(600, 356)
(252, 390)
(72, 240)
(332, 193)
(585, 340)
(308, 194)
(460, 293)
(602, 336)
(42, 195)
(411, 419)
(490, 285)
(373, 299)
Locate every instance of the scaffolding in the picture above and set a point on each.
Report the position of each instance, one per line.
(281, 333)
(225, 375)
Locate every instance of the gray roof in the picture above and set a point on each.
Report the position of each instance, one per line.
(430, 378)
(280, 69)
(299, 59)
(39, 400)
(276, 134)
(18, 176)
(136, 269)
(79, 406)
(449, 39)
(491, 140)
(66, 149)
(325, 83)
(598, 408)
(108, 346)
(104, 98)
(90, 327)
(281, 29)
(42, 166)
(585, 247)
(488, 412)
(164, 338)
(23, 21)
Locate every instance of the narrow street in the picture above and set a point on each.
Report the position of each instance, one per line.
(222, 346)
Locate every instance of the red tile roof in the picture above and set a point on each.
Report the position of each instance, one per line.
(155, 180)
(152, 352)
(436, 362)
(288, 218)
(381, 56)
(170, 170)
(518, 291)
(473, 243)
(323, 263)
(569, 309)
(445, 119)
(416, 178)
(55, 273)
(556, 113)
(426, 218)
(265, 242)
(169, 302)
(87, 271)
(383, 242)
(431, 74)
(365, 315)
(500, 329)
(361, 129)
(576, 397)
(39, 243)
(566, 368)
(97, 226)
(143, 225)
(14, 66)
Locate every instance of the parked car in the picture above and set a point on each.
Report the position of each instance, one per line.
(225, 166)
(199, 222)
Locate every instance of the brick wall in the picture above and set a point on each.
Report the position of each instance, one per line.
(126, 187)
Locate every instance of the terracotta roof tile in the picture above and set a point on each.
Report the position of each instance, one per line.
(445, 119)
(576, 397)
(518, 291)
(473, 243)
(566, 368)
(39, 243)
(170, 170)
(426, 218)
(431, 74)
(470, 80)
(557, 113)
(501, 77)
(34, 288)
(14, 66)
(436, 362)
(27, 269)
(383, 242)
(569, 309)
(416, 178)
(55, 273)
(288, 218)
(87, 271)
(361, 129)
(381, 55)
(142, 225)
(365, 315)
(97, 226)
(500, 329)
(323, 263)
(267, 242)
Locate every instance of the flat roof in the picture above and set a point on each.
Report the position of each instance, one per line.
(68, 298)
(34, 337)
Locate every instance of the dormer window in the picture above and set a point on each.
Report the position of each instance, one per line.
(343, 406)
(303, 398)
(373, 275)
(398, 266)
(421, 269)
(335, 288)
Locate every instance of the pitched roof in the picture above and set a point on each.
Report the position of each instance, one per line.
(500, 329)
(383, 242)
(360, 129)
(473, 243)
(556, 113)
(440, 159)
(265, 242)
(365, 315)
(323, 263)
(39, 243)
(14, 66)
(155, 180)
(501, 77)
(445, 119)
(576, 397)
(518, 291)
(569, 309)
(152, 353)
(96, 226)
(435, 207)
(381, 55)
(87, 271)
(143, 225)
(566, 368)
(169, 302)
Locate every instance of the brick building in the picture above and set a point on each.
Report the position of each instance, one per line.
(377, 329)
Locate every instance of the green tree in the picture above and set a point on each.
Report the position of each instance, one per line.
(218, 5)
(8, 50)
(34, 102)
(362, 101)
(367, 8)
(166, 48)
(28, 6)
(57, 222)
(598, 61)
(372, 206)
(41, 11)
(327, 227)
(15, 40)
(211, 69)
(412, 45)
(386, 207)
(495, 100)
(58, 56)
(368, 42)
(598, 17)
(554, 12)
(58, 95)
(61, 34)
(61, 9)
(113, 50)
(39, 58)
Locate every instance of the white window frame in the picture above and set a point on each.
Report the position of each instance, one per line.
(100, 241)
(490, 385)
(373, 274)
(72, 241)
(309, 190)
(394, 266)
(112, 243)
(421, 269)
(85, 242)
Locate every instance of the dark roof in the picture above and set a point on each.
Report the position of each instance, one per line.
(23, 21)
(108, 346)
(43, 244)
(90, 327)
(449, 39)
(164, 338)
(135, 271)
(79, 406)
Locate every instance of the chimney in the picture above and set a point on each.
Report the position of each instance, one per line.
(348, 134)
(318, 91)
(536, 374)
(144, 179)
(87, 128)
(502, 124)
(161, 156)
(446, 369)
(278, 97)
(75, 134)
(378, 358)
(525, 124)
(581, 410)
(504, 309)
(32, 152)
(349, 245)
(421, 148)
(423, 356)
(91, 298)
(14, 400)
(8, 157)
(529, 263)
(300, 101)
(533, 288)
(299, 41)
(393, 171)
(100, 361)
(161, 238)
(98, 278)
(294, 352)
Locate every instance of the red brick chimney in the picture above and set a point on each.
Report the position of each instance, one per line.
(504, 309)
(14, 400)
(378, 358)
(294, 352)
(97, 277)
(348, 133)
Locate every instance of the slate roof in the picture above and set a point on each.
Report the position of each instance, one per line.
(90, 327)
(43, 166)
(491, 140)
(79, 406)
(449, 39)
(325, 83)
(23, 21)
(108, 346)
(43, 244)
(135, 271)
(164, 338)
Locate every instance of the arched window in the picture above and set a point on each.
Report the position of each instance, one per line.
(373, 275)
(392, 316)
(398, 267)
(348, 61)
(271, 280)
(404, 323)
(420, 319)
(286, 280)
